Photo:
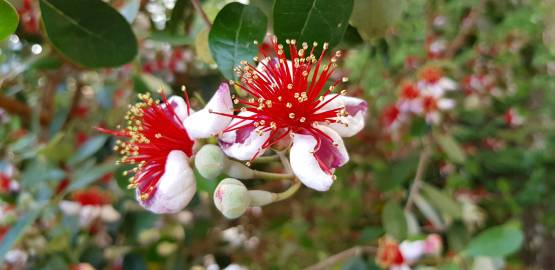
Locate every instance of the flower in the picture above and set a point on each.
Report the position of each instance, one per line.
(90, 205)
(512, 118)
(291, 105)
(159, 143)
(432, 81)
(433, 105)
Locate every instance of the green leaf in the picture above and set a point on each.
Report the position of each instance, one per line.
(172, 39)
(499, 241)
(89, 148)
(355, 263)
(312, 20)
(134, 261)
(8, 19)
(441, 201)
(16, 231)
(394, 221)
(449, 266)
(232, 36)
(87, 175)
(450, 147)
(89, 32)
(373, 18)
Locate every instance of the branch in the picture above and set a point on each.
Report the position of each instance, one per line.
(21, 109)
(199, 9)
(466, 28)
(342, 256)
(420, 170)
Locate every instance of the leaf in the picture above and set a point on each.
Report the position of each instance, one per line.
(499, 241)
(172, 39)
(16, 231)
(450, 147)
(88, 32)
(394, 221)
(355, 263)
(134, 261)
(8, 19)
(89, 148)
(441, 201)
(449, 266)
(87, 175)
(373, 18)
(201, 47)
(312, 20)
(231, 39)
(429, 212)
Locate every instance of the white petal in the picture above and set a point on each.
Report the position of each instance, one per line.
(433, 117)
(175, 188)
(305, 165)
(357, 109)
(88, 214)
(447, 84)
(204, 123)
(446, 104)
(180, 107)
(400, 267)
(412, 250)
(70, 207)
(243, 143)
(109, 214)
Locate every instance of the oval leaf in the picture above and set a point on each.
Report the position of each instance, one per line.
(442, 201)
(498, 241)
(373, 18)
(8, 19)
(231, 39)
(394, 221)
(312, 20)
(450, 147)
(89, 32)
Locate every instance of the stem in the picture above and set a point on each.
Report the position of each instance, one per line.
(266, 159)
(342, 256)
(271, 176)
(288, 193)
(19, 108)
(466, 28)
(420, 170)
(199, 9)
(284, 161)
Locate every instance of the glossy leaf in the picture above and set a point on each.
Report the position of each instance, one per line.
(312, 20)
(373, 18)
(231, 39)
(89, 32)
(90, 147)
(8, 19)
(394, 220)
(16, 232)
(442, 201)
(450, 147)
(499, 241)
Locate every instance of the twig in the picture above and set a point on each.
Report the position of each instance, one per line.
(466, 28)
(19, 108)
(199, 9)
(342, 256)
(420, 170)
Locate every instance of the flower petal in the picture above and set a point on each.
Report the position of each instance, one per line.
(412, 250)
(356, 108)
(205, 123)
(314, 167)
(69, 208)
(180, 107)
(243, 143)
(109, 214)
(445, 104)
(176, 186)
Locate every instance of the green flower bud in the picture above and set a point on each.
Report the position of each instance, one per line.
(231, 197)
(210, 161)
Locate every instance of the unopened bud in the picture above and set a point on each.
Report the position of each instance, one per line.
(261, 197)
(210, 161)
(433, 244)
(231, 198)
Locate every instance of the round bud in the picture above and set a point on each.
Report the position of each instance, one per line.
(231, 197)
(210, 161)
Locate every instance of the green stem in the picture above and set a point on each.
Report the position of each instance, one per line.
(271, 176)
(288, 193)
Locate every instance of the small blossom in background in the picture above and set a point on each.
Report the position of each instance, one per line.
(395, 256)
(512, 118)
(90, 205)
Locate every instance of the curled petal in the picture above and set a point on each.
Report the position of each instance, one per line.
(243, 143)
(180, 107)
(356, 108)
(315, 166)
(176, 186)
(209, 121)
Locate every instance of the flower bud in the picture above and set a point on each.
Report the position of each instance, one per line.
(260, 197)
(231, 197)
(433, 244)
(210, 161)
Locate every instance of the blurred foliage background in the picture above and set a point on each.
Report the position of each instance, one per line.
(486, 184)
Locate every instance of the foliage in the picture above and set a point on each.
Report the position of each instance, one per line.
(475, 172)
